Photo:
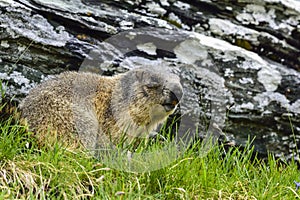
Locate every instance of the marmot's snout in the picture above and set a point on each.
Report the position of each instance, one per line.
(173, 94)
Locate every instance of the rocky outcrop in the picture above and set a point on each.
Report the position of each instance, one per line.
(239, 62)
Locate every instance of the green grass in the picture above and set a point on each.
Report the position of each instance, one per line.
(31, 172)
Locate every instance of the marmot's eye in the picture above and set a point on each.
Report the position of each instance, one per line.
(153, 85)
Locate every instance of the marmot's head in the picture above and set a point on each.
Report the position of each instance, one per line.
(150, 94)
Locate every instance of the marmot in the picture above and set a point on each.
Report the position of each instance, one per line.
(99, 109)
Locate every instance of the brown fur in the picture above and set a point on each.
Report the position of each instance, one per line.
(95, 108)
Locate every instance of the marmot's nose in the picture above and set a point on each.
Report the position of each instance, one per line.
(176, 90)
(173, 94)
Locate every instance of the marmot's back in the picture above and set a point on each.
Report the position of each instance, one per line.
(51, 104)
(99, 109)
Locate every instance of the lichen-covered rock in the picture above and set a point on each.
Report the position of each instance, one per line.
(17, 80)
(238, 62)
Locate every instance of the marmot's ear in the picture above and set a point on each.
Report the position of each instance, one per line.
(140, 75)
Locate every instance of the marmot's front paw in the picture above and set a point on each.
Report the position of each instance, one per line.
(156, 137)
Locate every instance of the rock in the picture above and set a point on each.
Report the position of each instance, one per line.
(238, 62)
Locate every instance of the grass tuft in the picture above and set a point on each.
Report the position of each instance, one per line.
(28, 171)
